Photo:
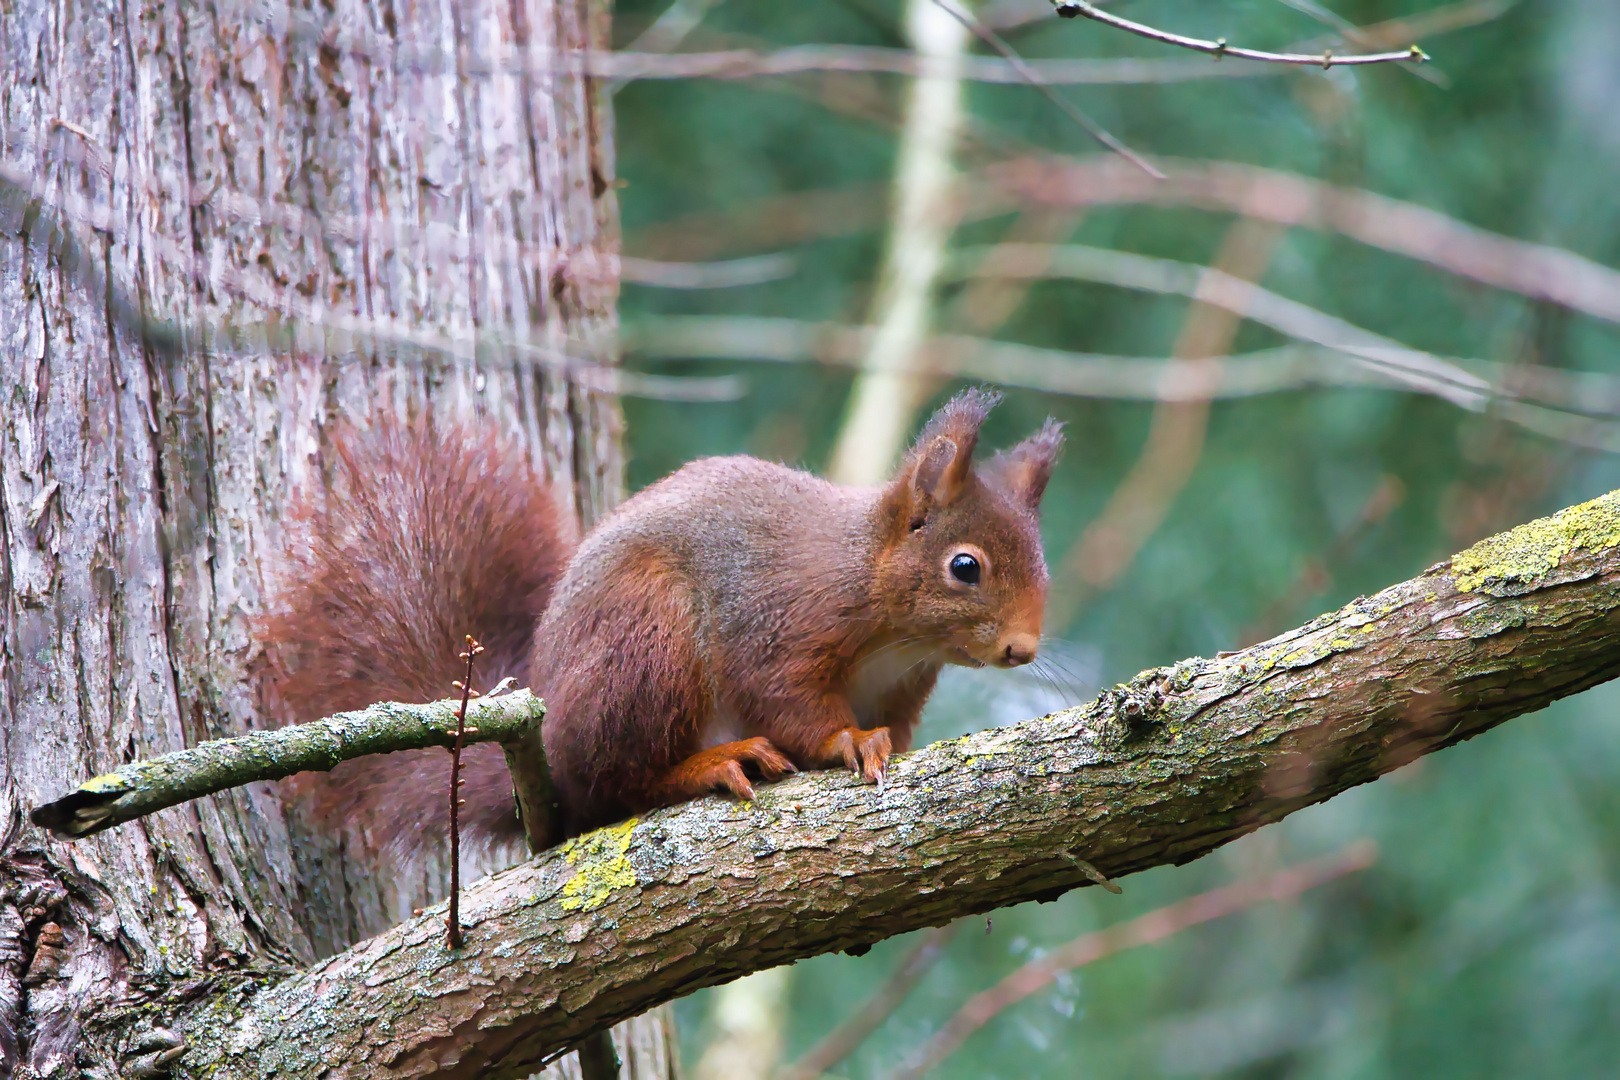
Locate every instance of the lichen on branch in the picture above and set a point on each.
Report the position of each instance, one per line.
(1519, 559)
(144, 787)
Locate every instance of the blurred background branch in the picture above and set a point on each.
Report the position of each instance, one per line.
(1148, 929)
(889, 389)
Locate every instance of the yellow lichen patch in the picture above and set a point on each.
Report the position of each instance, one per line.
(106, 784)
(1525, 554)
(601, 864)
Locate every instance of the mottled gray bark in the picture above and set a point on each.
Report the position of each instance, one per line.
(1160, 770)
(180, 178)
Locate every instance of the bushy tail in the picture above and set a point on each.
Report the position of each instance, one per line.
(425, 535)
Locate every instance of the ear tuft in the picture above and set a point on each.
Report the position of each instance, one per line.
(954, 428)
(960, 419)
(1023, 470)
(936, 469)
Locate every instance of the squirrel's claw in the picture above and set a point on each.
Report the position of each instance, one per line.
(771, 762)
(863, 752)
(730, 777)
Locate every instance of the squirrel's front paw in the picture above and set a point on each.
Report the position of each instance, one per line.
(865, 752)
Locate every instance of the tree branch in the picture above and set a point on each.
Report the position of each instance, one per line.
(1401, 228)
(1070, 9)
(1572, 407)
(144, 787)
(1160, 770)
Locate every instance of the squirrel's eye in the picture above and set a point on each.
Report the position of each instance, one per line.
(965, 568)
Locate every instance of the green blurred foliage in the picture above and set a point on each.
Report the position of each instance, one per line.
(1487, 939)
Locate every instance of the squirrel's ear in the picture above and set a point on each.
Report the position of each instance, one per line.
(937, 468)
(940, 462)
(941, 470)
(1023, 470)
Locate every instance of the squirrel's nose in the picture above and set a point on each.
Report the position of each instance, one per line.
(1018, 649)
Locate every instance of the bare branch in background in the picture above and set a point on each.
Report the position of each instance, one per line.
(775, 221)
(665, 33)
(843, 1040)
(1067, 107)
(726, 274)
(1011, 14)
(758, 338)
(1148, 929)
(1402, 228)
(1069, 9)
(890, 388)
(1175, 439)
(673, 24)
(988, 301)
(294, 320)
(1214, 287)
(1350, 32)
(853, 59)
(738, 337)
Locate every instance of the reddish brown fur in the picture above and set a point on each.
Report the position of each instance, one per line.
(737, 601)
(737, 616)
(426, 536)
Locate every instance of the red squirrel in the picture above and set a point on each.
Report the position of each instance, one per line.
(738, 617)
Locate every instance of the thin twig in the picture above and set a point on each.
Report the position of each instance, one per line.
(842, 1041)
(1214, 287)
(1402, 228)
(294, 316)
(1349, 31)
(1069, 109)
(725, 274)
(733, 64)
(1056, 371)
(1146, 929)
(1070, 9)
(144, 787)
(453, 916)
(1175, 441)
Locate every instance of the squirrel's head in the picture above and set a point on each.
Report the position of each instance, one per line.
(961, 559)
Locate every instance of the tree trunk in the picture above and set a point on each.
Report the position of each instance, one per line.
(409, 205)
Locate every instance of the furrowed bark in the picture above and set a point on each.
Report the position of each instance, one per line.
(1164, 769)
(180, 181)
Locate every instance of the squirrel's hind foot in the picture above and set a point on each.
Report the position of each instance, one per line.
(720, 768)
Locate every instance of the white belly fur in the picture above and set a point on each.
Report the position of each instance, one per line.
(882, 671)
(874, 677)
